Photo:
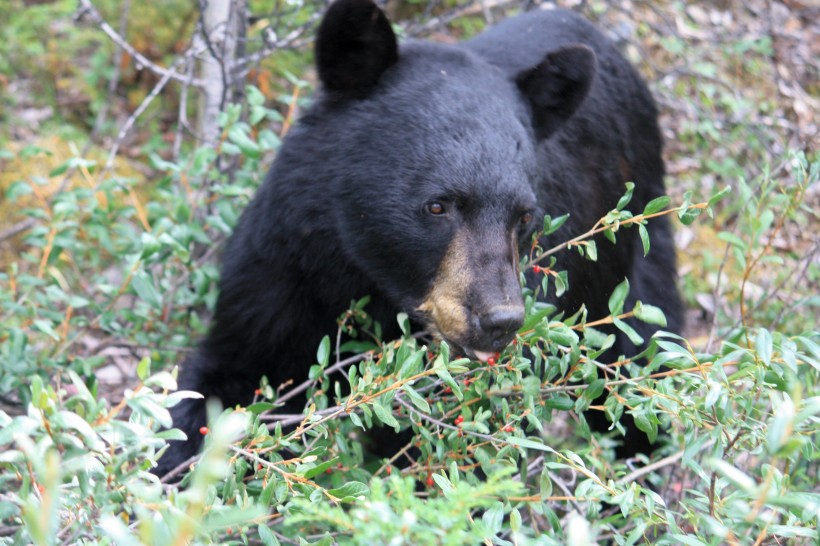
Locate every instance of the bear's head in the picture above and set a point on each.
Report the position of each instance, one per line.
(433, 154)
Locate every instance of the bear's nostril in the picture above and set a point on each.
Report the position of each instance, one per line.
(501, 322)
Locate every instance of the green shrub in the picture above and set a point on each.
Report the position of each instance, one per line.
(116, 272)
(502, 451)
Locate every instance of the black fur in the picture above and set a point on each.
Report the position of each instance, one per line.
(518, 119)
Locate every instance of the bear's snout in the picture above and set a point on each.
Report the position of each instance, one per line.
(475, 299)
(500, 324)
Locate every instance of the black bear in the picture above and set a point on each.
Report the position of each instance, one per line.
(415, 177)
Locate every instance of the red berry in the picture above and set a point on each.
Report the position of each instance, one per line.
(203, 430)
(491, 361)
(430, 481)
(536, 269)
(257, 392)
(508, 428)
(448, 390)
(459, 419)
(389, 470)
(328, 471)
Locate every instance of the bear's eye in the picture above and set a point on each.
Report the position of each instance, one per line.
(435, 208)
(525, 219)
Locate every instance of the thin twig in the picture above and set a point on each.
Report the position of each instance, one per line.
(115, 75)
(19, 227)
(716, 300)
(87, 9)
(182, 119)
(143, 106)
(666, 461)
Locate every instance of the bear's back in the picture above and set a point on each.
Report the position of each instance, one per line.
(519, 43)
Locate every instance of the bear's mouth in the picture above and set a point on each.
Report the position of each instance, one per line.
(457, 346)
(481, 356)
(467, 339)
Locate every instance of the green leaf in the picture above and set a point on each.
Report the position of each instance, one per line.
(633, 336)
(260, 407)
(172, 434)
(528, 443)
(443, 483)
(385, 416)
(781, 426)
(238, 136)
(356, 420)
(545, 483)
(562, 334)
(404, 323)
(618, 297)
(656, 205)
(8, 510)
(551, 226)
(688, 540)
(738, 478)
(319, 468)
(688, 215)
(323, 352)
(45, 327)
(412, 364)
(763, 346)
(38, 394)
(650, 314)
(644, 238)
(560, 402)
(441, 371)
(733, 240)
(594, 389)
(144, 368)
(70, 420)
(720, 195)
(627, 197)
(254, 96)
(515, 520)
(144, 287)
(266, 536)
(561, 284)
(494, 517)
(416, 399)
(591, 250)
(117, 531)
(459, 365)
(647, 421)
(268, 139)
(350, 491)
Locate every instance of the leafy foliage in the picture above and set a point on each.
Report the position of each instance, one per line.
(117, 273)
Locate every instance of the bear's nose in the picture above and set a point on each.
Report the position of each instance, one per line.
(501, 323)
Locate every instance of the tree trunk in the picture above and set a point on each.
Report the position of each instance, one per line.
(223, 30)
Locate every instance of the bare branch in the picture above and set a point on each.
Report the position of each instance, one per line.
(19, 227)
(115, 75)
(144, 105)
(87, 9)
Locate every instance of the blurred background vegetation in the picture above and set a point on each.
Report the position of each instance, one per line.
(114, 201)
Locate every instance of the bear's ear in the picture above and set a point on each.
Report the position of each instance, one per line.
(354, 46)
(557, 86)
